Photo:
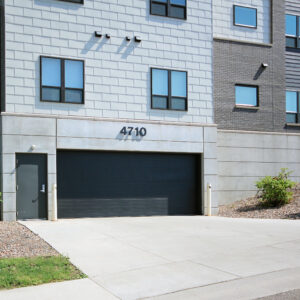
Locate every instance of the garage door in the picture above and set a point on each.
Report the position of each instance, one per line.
(107, 184)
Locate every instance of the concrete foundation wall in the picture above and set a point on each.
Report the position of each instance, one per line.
(245, 157)
(49, 134)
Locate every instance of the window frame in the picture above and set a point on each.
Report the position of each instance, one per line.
(295, 37)
(169, 96)
(62, 83)
(247, 105)
(243, 25)
(298, 108)
(73, 1)
(168, 7)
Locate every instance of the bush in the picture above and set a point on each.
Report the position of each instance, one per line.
(276, 191)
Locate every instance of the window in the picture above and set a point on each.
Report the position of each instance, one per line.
(292, 31)
(168, 8)
(74, 1)
(62, 80)
(292, 107)
(246, 95)
(169, 89)
(244, 16)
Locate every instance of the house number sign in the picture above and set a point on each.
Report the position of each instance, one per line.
(137, 131)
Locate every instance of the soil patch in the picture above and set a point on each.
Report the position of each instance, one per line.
(251, 208)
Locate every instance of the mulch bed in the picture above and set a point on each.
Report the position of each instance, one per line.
(251, 208)
(18, 241)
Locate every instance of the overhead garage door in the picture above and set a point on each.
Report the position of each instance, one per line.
(106, 184)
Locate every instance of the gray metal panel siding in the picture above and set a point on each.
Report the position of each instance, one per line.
(239, 63)
(292, 63)
(292, 6)
(292, 57)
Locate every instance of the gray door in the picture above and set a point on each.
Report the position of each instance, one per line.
(31, 186)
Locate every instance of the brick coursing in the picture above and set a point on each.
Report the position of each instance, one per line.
(235, 63)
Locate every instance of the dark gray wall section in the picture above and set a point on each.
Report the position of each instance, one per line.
(239, 63)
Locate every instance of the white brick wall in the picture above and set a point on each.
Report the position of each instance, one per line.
(117, 72)
(223, 21)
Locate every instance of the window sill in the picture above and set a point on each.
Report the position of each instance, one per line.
(246, 107)
(293, 124)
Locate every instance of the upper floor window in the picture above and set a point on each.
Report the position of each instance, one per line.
(74, 1)
(244, 16)
(292, 107)
(292, 31)
(62, 80)
(169, 89)
(168, 8)
(246, 95)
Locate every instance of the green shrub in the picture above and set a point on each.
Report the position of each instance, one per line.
(276, 191)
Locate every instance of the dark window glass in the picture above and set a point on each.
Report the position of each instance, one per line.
(159, 9)
(74, 96)
(291, 42)
(246, 95)
(178, 103)
(50, 94)
(169, 8)
(177, 12)
(169, 89)
(159, 102)
(58, 88)
(291, 118)
(245, 16)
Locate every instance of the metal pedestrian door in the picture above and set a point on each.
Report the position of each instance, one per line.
(31, 186)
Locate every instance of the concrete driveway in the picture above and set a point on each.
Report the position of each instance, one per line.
(181, 257)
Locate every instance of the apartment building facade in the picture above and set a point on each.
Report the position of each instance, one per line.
(112, 101)
(257, 133)
(131, 107)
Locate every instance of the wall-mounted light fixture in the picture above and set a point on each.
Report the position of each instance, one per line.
(107, 36)
(264, 65)
(33, 147)
(98, 34)
(128, 38)
(137, 39)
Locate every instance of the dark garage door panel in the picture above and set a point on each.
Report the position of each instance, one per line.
(102, 184)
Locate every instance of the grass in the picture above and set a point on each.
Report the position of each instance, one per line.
(21, 272)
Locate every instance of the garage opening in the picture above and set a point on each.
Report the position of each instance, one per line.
(111, 184)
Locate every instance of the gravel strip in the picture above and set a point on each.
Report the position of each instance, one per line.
(250, 208)
(18, 241)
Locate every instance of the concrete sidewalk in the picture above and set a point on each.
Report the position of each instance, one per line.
(181, 257)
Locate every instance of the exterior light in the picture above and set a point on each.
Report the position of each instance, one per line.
(107, 36)
(98, 34)
(264, 65)
(137, 39)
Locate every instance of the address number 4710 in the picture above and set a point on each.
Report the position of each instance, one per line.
(137, 131)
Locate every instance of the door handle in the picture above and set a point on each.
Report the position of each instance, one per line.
(43, 190)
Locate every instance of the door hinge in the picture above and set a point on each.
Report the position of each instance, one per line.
(17, 213)
(17, 187)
